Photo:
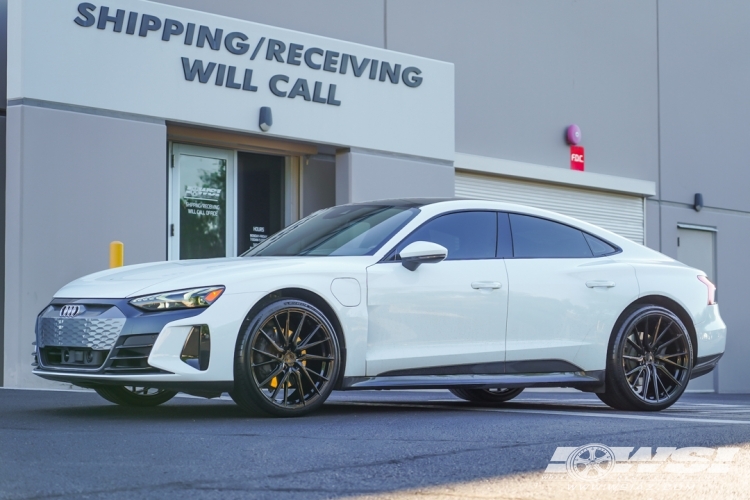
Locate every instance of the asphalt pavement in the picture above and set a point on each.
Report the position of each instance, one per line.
(373, 445)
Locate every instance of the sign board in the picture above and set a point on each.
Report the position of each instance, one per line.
(576, 158)
(170, 63)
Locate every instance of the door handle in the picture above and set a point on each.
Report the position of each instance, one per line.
(480, 285)
(600, 284)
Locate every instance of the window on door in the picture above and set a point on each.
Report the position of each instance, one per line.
(466, 235)
(224, 202)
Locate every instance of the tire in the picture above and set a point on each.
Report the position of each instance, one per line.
(287, 360)
(649, 362)
(498, 395)
(135, 396)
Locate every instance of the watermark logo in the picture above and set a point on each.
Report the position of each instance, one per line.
(590, 462)
(593, 462)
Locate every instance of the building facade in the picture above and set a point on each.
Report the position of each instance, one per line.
(190, 129)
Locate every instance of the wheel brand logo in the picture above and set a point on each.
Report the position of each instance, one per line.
(593, 462)
(590, 462)
(71, 311)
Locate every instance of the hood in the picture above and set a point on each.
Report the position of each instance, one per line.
(158, 277)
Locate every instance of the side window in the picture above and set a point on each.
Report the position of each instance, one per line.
(541, 238)
(466, 235)
(599, 247)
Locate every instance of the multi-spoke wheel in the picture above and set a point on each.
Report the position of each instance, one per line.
(287, 360)
(496, 395)
(134, 395)
(650, 361)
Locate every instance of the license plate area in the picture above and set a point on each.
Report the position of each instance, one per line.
(73, 357)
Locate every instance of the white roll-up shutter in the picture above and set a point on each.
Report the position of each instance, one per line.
(620, 213)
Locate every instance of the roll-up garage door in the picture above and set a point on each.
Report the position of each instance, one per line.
(619, 213)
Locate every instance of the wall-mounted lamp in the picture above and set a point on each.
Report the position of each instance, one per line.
(698, 202)
(573, 135)
(265, 119)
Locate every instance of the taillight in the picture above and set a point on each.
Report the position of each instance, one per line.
(711, 289)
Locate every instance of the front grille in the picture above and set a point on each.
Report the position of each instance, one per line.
(98, 334)
(130, 356)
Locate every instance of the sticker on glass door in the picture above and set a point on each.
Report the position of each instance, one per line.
(202, 185)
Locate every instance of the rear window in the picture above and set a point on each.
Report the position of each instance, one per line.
(534, 237)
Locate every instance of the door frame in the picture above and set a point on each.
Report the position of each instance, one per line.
(293, 190)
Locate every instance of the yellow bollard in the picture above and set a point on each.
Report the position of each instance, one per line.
(116, 254)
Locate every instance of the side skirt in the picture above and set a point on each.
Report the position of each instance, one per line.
(591, 381)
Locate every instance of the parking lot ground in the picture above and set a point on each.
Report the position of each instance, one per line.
(378, 445)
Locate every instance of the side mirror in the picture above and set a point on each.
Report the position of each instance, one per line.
(422, 252)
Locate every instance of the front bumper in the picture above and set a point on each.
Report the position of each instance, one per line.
(160, 338)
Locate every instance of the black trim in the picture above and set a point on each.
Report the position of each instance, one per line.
(391, 256)
(592, 381)
(187, 387)
(495, 368)
(704, 365)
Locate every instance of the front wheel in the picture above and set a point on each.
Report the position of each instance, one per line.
(287, 360)
(650, 361)
(135, 396)
(498, 395)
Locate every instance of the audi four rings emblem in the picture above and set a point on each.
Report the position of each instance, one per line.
(71, 311)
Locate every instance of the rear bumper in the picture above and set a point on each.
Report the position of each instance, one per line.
(705, 364)
(711, 333)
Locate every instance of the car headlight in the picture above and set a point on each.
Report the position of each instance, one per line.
(179, 299)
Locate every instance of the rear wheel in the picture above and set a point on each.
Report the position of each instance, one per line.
(287, 360)
(496, 395)
(135, 396)
(650, 361)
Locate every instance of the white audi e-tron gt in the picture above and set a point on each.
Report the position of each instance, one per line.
(478, 297)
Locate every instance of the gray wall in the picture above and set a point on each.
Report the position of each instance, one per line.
(704, 108)
(526, 70)
(365, 176)
(318, 183)
(360, 21)
(3, 104)
(705, 101)
(76, 182)
(2, 244)
(3, 52)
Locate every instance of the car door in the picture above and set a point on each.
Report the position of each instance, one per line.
(565, 296)
(445, 314)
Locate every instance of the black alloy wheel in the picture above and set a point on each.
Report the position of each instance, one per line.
(287, 360)
(495, 395)
(650, 361)
(134, 395)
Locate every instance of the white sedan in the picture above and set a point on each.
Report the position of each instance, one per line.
(481, 298)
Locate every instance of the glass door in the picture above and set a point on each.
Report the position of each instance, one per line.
(202, 203)
(261, 200)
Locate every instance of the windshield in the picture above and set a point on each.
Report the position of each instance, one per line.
(348, 230)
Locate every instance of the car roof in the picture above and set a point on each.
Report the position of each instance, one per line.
(406, 202)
